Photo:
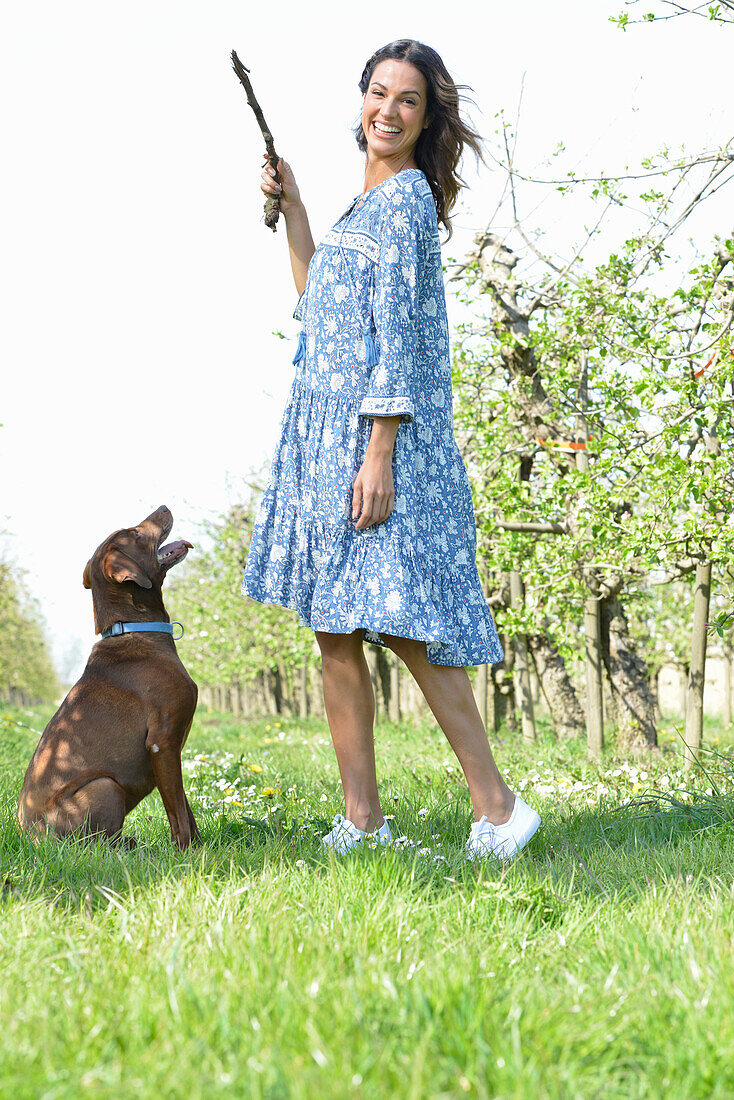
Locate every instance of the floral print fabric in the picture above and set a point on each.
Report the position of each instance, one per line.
(374, 342)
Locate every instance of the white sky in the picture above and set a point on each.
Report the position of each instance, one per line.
(140, 288)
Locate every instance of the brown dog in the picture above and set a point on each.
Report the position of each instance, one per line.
(120, 730)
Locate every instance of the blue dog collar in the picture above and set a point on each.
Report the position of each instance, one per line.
(140, 628)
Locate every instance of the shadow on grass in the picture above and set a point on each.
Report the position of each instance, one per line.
(605, 851)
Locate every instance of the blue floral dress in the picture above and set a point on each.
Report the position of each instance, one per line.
(374, 342)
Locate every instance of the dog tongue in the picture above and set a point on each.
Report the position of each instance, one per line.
(173, 548)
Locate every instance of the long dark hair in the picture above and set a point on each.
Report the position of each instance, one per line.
(440, 146)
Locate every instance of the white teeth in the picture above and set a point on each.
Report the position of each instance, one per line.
(386, 129)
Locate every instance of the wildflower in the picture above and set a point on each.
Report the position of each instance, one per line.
(300, 863)
(268, 792)
(255, 768)
(423, 812)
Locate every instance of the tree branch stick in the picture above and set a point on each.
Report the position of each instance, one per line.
(272, 203)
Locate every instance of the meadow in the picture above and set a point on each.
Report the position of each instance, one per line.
(257, 965)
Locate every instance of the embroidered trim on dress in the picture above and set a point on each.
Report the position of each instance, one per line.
(353, 238)
(298, 311)
(387, 406)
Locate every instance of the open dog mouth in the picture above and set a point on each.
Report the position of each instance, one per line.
(173, 552)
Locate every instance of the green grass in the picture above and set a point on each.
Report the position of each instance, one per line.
(599, 964)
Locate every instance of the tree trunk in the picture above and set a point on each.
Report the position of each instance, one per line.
(264, 693)
(522, 665)
(566, 712)
(627, 678)
(276, 687)
(382, 677)
(726, 711)
(594, 657)
(303, 691)
(655, 691)
(395, 688)
(487, 698)
(697, 675)
(682, 689)
(504, 678)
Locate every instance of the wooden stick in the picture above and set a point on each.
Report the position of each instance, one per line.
(272, 203)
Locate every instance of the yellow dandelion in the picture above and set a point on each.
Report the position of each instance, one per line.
(268, 792)
(255, 768)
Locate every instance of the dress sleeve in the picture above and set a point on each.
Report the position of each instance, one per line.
(298, 311)
(395, 308)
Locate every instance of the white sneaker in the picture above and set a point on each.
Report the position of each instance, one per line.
(345, 835)
(503, 841)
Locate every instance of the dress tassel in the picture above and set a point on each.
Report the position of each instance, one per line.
(301, 349)
(370, 349)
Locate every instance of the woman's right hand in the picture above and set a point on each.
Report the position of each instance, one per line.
(286, 190)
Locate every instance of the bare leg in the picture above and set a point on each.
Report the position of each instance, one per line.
(448, 692)
(350, 711)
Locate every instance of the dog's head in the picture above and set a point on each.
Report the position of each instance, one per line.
(129, 567)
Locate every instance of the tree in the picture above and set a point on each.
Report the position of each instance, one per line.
(26, 671)
(593, 402)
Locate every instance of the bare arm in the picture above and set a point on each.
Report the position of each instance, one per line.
(373, 491)
(300, 241)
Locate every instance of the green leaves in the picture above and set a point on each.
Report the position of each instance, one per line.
(609, 355)
(25, 662)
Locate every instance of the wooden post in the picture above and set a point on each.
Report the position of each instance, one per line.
(522, 664)
(696, 677)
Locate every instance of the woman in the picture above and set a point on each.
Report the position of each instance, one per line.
(366, 526)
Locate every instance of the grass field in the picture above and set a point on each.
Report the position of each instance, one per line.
(599, 964)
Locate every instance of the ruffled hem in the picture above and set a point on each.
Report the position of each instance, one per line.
(342, 579)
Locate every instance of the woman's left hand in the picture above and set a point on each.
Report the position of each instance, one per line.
(373, 491)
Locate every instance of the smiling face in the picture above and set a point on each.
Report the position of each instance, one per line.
(394, 112)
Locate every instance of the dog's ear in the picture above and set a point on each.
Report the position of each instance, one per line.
(87, 578)
(118, 567)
